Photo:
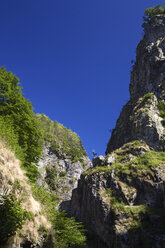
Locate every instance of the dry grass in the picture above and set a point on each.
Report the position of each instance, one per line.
(13, 179)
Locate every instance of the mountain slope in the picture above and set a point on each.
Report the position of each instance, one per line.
(63, 159)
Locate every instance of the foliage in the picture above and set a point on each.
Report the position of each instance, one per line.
(51, 176)
(68, 232)
(48, 200)
(135, 167)
(12, 216)
(147, 96)
(153, 11)
(161, 107)
(62, 173)
(19, 126)
(62, 140)
(8, 134)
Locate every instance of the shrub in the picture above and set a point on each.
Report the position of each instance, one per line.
(51, 177)
(12, 217)
(68, 232)
(62, 173)
(147, 96)
(161, 107)
(153, 11)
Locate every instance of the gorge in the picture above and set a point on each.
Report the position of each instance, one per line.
(44, 168)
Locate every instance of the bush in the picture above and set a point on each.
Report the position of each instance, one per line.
(62, 173)
(68, 232)
(147, 96)
(12, 217)
(51, 177)
(161, 107)
(153, 11)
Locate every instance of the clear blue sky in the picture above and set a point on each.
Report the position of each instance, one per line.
(73, 58)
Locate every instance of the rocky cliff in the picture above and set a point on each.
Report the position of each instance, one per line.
(141, 117)
(60, 174)
(121, 200)
(63, 160)
(29, 211)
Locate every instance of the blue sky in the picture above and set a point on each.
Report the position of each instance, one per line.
(73, 58)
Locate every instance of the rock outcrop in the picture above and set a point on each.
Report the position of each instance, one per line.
(123, 205)
(140, 117)
(121, 200)
(63, 171)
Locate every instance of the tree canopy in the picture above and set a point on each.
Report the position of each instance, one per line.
(18, 125)
(62, 140)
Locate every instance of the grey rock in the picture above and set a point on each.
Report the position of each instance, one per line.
(98, 161)
(91, 204)
(140, 117)
(62, 163)
(110, 159)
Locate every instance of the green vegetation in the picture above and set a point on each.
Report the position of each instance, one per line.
(161, 107)
(18, 125)
(153, 11)
(12, 216)
(147, 96)
(68, 232)
(134, 213)
(24, 133)
(62, 140)
(48, 200)
(136, 167)
(62, 173)
(51, 177)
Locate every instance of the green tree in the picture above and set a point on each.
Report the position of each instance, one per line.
(18, 111)
(68, 232)
(62, 140)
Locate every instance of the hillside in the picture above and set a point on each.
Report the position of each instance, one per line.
(40, 162)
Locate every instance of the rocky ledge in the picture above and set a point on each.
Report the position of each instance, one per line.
(122, 203)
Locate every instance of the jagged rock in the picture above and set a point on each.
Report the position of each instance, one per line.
(118, 205)
(104, 161)
(110, 159)
(98, 161)
(68, 172)
(140, 117)
(122, 205)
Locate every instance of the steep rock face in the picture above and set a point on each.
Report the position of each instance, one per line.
(63, 160)
(121, 199)
(122, 205)
(66, 171)
(140, 117)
